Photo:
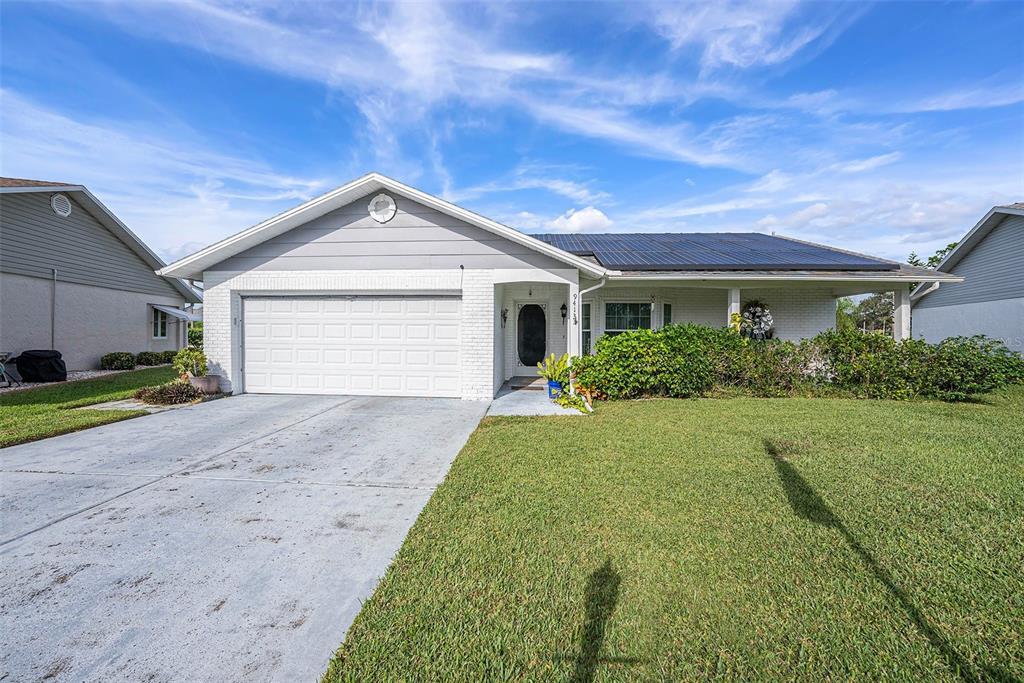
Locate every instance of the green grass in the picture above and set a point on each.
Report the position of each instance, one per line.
(740, 539)
(46, 411)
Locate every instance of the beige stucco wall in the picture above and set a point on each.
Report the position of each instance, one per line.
(90, 321)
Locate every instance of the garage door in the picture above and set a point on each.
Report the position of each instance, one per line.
(378, 346)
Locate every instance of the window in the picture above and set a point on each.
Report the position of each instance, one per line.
(159, 324)
(666, 314)
(622, 317)
(585, 328)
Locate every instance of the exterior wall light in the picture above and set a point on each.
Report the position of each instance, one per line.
(565, 311)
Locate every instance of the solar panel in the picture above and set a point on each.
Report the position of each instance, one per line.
(710, 251)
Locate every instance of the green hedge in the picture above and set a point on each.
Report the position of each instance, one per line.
(118, 360)
(149, 358)
(694, 360)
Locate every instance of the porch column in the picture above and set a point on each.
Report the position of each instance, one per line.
(573, 329)
(734, 304)
(901, 314)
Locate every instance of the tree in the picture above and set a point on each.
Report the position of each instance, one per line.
(846, 314)
(933, 260)
(875, 313)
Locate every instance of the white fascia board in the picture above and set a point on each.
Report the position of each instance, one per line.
(193, 266)
(43, 188)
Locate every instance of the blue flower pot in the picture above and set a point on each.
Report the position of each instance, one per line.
(554, 389)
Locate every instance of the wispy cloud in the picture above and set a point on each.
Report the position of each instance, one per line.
(868, 164)
(740, 33)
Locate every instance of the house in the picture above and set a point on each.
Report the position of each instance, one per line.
(74, 278)
(378, 288)
(990, 259)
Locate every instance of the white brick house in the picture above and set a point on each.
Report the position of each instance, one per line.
(377, 288)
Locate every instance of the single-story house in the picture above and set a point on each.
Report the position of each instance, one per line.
(74, 278)
(990, 258)
(378, 288)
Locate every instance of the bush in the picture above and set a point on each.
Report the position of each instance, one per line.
(195, 335)
(691, 360)
(169, 394)
(167, 357)
(118, 360)
(149, 358)
(191, 362)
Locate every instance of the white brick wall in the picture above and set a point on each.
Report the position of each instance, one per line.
(799, 312)
(477, 345)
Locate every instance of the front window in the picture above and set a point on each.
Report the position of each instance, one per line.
(622, 317)
(159, 324)
(585, 328)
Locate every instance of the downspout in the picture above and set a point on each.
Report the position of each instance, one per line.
(53, 310)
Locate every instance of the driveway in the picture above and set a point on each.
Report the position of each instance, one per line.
(230, 540)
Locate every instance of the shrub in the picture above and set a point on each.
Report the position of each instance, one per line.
(169, 394)
(189, 361)
(690, 360)
(167, 357)
(195, 335)
(555, 369)
(118, 360)
(149, 358)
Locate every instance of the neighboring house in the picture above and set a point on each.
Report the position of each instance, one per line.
(378, 288)
(75, 279)
(990, 301)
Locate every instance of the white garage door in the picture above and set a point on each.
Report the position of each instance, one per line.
(378, 346)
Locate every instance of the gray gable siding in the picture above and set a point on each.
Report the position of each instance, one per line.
(34, 240)
(418, 237)
(992, 270)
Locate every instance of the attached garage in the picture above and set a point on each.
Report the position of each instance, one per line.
(368, 345)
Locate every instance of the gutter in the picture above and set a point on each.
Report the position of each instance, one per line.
(916, 296)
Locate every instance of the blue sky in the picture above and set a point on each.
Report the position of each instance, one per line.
(884, 128)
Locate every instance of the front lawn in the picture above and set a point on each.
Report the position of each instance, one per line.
(752, 539)
(46, 411)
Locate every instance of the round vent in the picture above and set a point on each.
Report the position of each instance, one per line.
(60, 204)
(382, 208)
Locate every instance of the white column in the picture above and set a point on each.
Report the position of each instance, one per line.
(574, 331)
(901, 314)
(734, 304)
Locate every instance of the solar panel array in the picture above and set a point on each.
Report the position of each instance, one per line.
(709, 251)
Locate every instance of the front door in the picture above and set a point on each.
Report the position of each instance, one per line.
(531, 337)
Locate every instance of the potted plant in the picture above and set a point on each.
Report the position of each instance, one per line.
(191, 365)
(556, 371)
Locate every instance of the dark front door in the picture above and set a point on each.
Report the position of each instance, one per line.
(532, 342)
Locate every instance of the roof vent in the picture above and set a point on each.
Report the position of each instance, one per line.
(382, 208)
(60, 204)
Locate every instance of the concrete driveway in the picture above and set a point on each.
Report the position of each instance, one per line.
(226, 541)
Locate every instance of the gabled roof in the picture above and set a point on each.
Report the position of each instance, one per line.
(105, 216)
(193, 266)
(976, 234)
(712, 251)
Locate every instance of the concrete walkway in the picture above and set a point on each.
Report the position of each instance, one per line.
(528, 401)
(229, 540)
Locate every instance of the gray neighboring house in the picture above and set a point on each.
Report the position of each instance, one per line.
(74, 278)
(990, 301)
(377, 288)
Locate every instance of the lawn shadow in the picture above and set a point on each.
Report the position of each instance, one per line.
(807, 504)
(601, 596)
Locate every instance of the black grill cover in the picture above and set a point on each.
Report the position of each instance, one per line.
(41, 366)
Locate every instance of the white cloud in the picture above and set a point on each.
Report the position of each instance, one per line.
(169, 191)
(588, 219)
(740, 33)
(869, 164)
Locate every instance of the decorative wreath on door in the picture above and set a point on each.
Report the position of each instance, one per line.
(757, 321)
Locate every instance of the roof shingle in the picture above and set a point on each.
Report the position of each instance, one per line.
(23, 182)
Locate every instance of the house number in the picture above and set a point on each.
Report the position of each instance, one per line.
(574, 296)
